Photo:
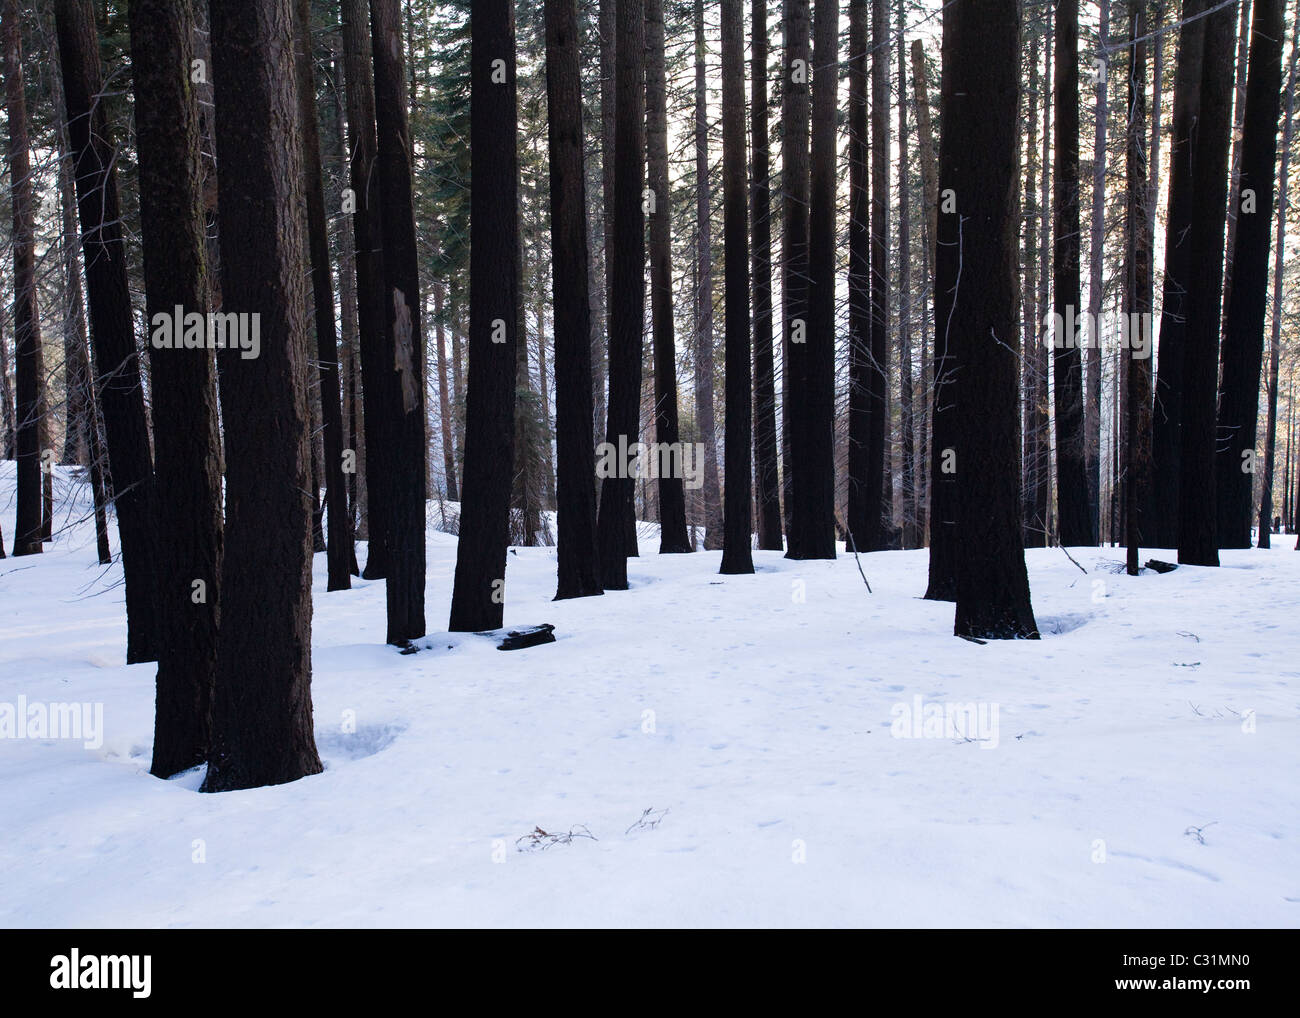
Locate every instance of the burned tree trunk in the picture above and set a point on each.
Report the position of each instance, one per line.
(627, 293)
(28, 369)
(262, 714)
(186, 437)
(672, 494)
(339, 536)
(478, 599)
(404, 335)
(111, 325)
(1197, 526)
(767, 493)
(578, 565)
(981, 122)
(1243, 333)
(738, 534)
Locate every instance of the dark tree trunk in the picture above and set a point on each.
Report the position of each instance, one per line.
(703, 346)
(880, 507)
(111, 325)
(1242, 36)
(607, 25)
(942, 585)
(1243, 334)
(404, 335)
(348, 337)
(1032, 454)
(795, 184)
(1139, 292)
(77, 378)
(626, 293)
(578, 565)
(478, 599)
(981, 123)
(1096, 279)
(672, 494)
(767, 491)
(7, 424)
(186, 437)
(98, 484)
(262, 712)
(862, 516)
(1067, 358)
(1167, 415)
(1197, 526)
(444, 401)
(339, 544)
(314, 432)
(930, 187)
(367, 223)
(815, 473)
(1041, 353)
(28, 367)
(1270, 439)
(738, 533)
(909, 536)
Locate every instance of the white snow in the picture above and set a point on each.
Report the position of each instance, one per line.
(1126, 787)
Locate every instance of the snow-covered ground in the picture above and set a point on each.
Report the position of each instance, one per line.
(1119, 777)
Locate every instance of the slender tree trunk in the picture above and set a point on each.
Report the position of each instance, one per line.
(1139, 290)
(879, 475)
(524, 489)
(262, 717)
(1041, 352)
(1157, 111)
(543, 388)
(478, 597)
(76, 358)
(1067, 359)
(1031, 454)
(981, 123)
(672, 494)
(457, 384)
(1270, 440)
(1247, 301)
(1197, 516)
(627, 293)
(404, 336)
(186, 436)
(930, 187)
(7, 423)
(910, 538)
(28, 365)
(703, 351)
(444, 402)
(608, 28)
(795, 183)
(862, 513)
(367, 223)
(815, 474)
(578, 565)
(111, 324)
(354, 480)
(98, 483)
(1096, 277)
(1243, 37)
(1167, 417)
(738, 537)
(766, 476)
(944, 536)
(339, 544)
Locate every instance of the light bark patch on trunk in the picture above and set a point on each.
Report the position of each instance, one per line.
(403, 356)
